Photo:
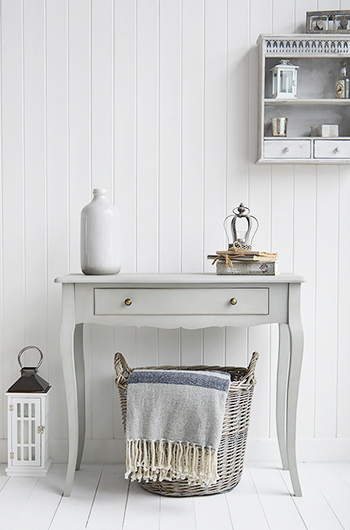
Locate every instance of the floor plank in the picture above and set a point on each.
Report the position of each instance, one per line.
(143, 509)
(108, 508)
(212, 512)
(335, 490)
(13, 499)
(245, 506)
(44, 500)
(343, 469)
(177, 513)
(3, 477)
(276, 500)
(73, 512)
(312, 506)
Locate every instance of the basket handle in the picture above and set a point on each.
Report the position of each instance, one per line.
(250, 375)
(122, 370)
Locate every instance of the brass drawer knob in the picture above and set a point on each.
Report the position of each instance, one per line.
(233, 301)
(128, 301)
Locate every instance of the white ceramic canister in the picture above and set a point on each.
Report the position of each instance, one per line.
(100, 235)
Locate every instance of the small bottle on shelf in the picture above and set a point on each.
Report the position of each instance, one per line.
(342, 85)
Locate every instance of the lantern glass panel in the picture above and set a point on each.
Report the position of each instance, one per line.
(286, 81)
(33, 431)
(274, 83)
(25, 432)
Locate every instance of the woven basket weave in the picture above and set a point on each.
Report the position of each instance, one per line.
(233, 441)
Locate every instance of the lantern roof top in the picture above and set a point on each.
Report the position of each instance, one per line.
(30, 381)
(284, 64)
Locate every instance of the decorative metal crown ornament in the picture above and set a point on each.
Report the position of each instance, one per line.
(240, 239)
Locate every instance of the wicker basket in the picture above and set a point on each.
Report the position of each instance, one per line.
(234, 432)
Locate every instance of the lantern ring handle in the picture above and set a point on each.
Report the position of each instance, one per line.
(30, 348)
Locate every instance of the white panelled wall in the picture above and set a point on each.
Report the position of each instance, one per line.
(156, 100)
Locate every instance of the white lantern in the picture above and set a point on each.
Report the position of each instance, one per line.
(284, 80)
(28, 407)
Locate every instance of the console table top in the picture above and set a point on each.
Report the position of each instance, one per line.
(205, 279)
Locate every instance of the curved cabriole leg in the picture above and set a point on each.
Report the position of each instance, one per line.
(296, 348)
(80, 376)
(282, 379)
(68, 367)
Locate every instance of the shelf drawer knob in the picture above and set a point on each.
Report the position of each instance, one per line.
(128, 301)
(337, 150)
(233, 301)
(286, 149)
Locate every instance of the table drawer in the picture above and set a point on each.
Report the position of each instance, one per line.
(332, 148)
(287, 149)
(238, 301)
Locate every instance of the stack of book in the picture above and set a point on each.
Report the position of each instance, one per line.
(240, 261)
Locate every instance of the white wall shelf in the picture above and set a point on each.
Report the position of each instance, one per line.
(310, 101)
(318, 58)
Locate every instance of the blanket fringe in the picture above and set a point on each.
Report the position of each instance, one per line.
(151, 460)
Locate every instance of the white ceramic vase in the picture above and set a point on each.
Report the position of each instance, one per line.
(100, 235)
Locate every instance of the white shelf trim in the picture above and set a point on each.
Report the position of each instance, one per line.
(298, 101)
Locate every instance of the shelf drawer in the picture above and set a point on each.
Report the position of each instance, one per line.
(332, 148)
(287, 149)
(246, 301)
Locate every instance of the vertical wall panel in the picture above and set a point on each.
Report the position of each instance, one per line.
(283, 17)
(326, 301)
(237, 115)
(282, 240)
(13, 243)
(102, 384)
(215, 87)
(343, 391)
(192, 165)
(125, 128)
(57, 197)
(305, 265)
(170, 136)
(191, 346)
(35, 177)
(147, 155)
(80, 183)
(102, 94)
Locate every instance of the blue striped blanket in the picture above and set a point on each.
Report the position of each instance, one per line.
(173, 424)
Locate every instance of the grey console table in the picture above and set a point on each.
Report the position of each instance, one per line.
(189, 301)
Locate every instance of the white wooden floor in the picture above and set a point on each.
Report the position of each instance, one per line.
(102, 499)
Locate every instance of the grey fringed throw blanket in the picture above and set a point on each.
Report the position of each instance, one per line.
(174, 423)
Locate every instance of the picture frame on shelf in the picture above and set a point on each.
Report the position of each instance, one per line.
(328, 21)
